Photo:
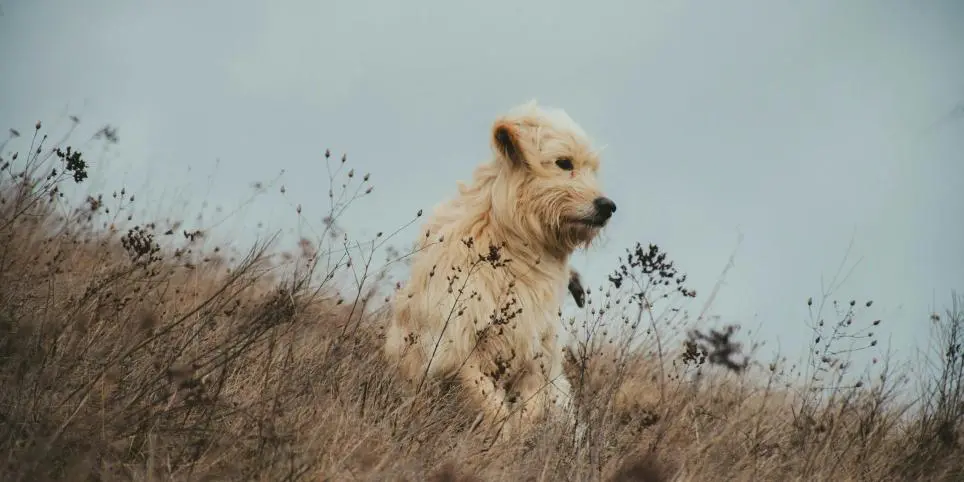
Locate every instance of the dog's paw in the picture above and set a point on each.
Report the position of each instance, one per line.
(576, 289)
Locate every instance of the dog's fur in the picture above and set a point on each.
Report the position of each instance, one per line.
(490, 321)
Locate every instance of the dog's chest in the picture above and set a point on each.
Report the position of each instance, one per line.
(534, 307)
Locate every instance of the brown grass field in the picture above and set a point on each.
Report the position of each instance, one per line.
(137, 349)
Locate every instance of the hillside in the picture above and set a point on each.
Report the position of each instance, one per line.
(133, 349)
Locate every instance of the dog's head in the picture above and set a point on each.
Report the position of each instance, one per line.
(547, 184)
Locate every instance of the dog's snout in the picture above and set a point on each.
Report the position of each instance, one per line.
(604, 206)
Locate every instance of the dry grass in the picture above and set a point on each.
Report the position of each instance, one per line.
(145, 353)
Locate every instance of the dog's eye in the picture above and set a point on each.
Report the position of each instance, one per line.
(564, 163)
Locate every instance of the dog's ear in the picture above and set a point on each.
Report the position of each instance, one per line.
(576, 289)
(505, 138)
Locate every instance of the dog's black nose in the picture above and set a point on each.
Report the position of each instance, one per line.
(604, 206)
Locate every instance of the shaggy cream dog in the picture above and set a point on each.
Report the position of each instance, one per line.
(492, 269)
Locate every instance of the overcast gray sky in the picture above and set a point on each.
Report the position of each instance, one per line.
(800, 125)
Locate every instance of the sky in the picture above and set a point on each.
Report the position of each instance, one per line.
(789, 133)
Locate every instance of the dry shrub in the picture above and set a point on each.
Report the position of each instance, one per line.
(135, 351)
